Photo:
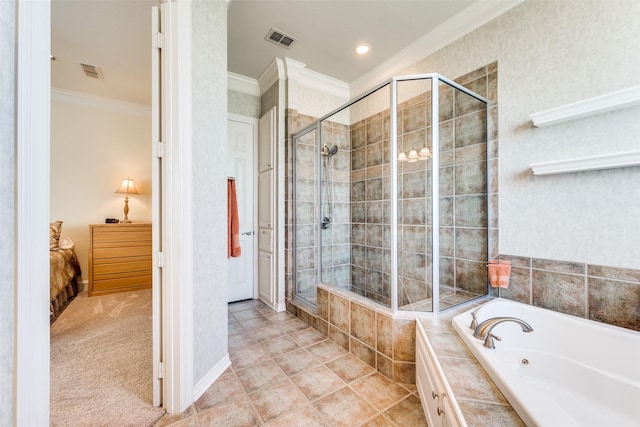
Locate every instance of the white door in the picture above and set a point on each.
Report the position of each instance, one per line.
(242, 143)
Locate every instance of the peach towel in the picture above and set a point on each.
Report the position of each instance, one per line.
(233, 222)
(499, 272)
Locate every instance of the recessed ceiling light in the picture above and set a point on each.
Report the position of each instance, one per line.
(362, 49)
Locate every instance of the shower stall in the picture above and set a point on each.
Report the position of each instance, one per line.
(390, 197)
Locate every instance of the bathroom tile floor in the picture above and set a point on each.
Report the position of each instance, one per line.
(284, 373)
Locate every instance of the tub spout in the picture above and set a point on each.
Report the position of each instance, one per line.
(483, 330)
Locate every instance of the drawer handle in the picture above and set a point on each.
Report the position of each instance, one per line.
(434, 394)
(440, 411)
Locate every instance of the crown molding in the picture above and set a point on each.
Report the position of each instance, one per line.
(240, 83)
(273, 73)
(116, 105)
(469, 19)
(298, 72)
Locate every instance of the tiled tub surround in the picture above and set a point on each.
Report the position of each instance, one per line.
(366, 329)
(388, 345)
(605, 294)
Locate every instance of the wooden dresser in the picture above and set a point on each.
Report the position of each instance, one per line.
(119, 258)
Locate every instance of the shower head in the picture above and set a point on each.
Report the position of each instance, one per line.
(329, 151)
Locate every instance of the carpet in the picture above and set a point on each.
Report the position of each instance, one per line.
(101, 362)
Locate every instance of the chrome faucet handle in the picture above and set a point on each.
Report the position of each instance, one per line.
(488, 342)
(474, 322)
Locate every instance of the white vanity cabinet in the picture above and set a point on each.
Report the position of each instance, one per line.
(437, 399)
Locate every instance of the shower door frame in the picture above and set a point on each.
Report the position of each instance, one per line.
(393, 182)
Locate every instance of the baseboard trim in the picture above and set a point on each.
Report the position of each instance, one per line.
(211, 377)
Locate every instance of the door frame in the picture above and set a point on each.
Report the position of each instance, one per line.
(31, 215)
(254, 122)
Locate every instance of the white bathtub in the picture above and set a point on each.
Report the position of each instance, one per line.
(567, 372)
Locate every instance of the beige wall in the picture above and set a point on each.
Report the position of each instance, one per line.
(92, 149)
(551, 53)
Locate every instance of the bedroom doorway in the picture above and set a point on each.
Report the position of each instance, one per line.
(112, 151)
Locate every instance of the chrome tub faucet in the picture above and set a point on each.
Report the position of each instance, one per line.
(484, 329)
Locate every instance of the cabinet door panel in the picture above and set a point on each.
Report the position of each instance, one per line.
(265, 200)
(265, 276)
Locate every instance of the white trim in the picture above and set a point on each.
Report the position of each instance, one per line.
(31, 327)
(476, 15)
(240, 83)
(211, 377)
(281, 206)
(271, 75)
(604, 161)
(298, 72)
(110, 104)
(182, 206)
(625, 98)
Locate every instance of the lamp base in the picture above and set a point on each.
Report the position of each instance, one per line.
(125, 221)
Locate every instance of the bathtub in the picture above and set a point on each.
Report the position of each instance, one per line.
(567, 372)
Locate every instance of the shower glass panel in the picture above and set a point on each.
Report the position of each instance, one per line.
(390, 196)
(305, 188)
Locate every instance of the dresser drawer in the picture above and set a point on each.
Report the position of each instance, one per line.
(119, 258)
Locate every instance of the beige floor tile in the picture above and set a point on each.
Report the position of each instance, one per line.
(306, 416)
(235, 329)
(278, 399)
(241, 306)
(227, 387)
(349, 368)
(258, 376)
(379, 390)
(292, 325)
(344, 408)
(380, 421)
(266, 333)
(259, 322)
(326, 351)
(240, 340)
(233, 413)
(317, 382)
(248, 314)
(407, 412)
(279, 345)
(296, 361)
(191, 421)
(247, 356)
(282, 316)
(308, 336)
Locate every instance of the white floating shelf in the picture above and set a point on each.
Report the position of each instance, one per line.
(589, 107)
(605, 161)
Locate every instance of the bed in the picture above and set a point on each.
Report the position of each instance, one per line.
(64, 270)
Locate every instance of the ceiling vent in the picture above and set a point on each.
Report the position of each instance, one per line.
(280, 38)
(92, 71)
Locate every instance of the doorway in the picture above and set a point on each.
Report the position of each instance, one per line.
(243, 138)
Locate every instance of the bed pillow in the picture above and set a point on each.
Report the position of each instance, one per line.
(65, 242)
(55, 228)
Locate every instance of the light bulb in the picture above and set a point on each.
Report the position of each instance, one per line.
(424, 153)
(413, 156)
(402, 157)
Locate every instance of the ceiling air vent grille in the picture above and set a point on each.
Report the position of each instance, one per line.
(92, 71)
(280, 38)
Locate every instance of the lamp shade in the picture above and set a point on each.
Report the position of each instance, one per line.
(127, 187)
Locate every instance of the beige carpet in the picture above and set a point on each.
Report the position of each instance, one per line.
(101, 365)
